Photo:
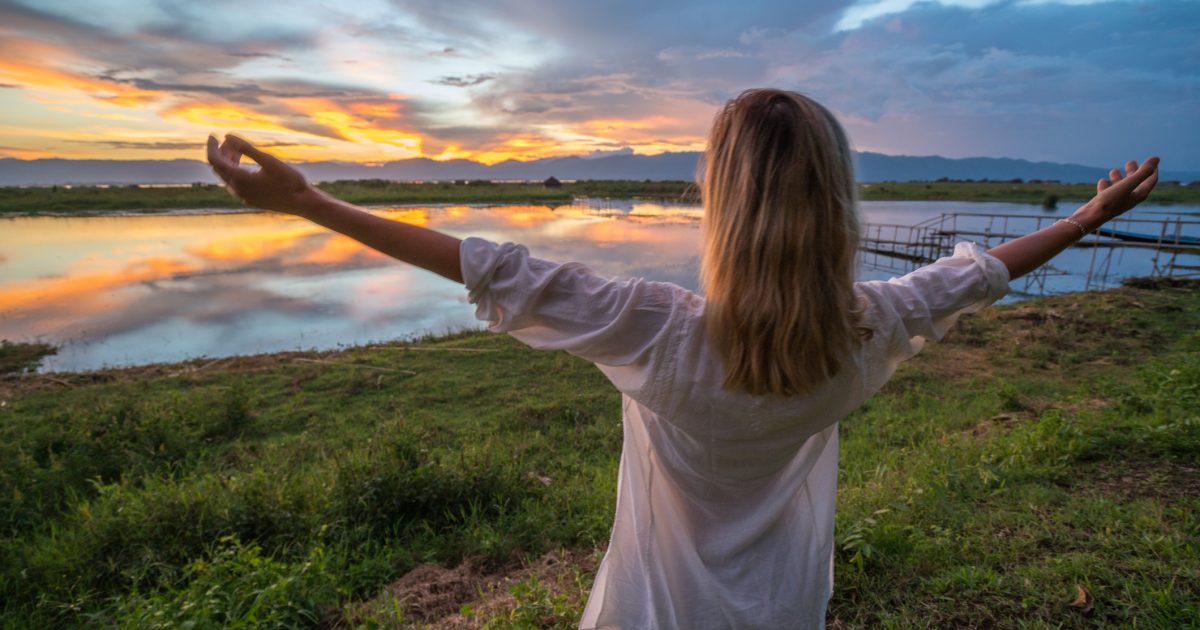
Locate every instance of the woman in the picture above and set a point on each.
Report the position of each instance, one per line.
(726, 487)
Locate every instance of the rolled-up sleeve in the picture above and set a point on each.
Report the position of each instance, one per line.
(618, 324)
(904, 312)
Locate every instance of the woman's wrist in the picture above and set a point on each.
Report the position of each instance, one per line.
(1089, 217)
(311, 202)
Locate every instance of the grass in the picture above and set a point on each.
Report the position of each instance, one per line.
(1042, 448)
(22, 357)
(93, 199)
(1014, 191)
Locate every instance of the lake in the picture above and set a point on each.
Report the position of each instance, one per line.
(128, 290)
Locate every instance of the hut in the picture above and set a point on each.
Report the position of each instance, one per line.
(552, 182)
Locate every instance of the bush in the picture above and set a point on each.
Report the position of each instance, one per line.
(236, 585)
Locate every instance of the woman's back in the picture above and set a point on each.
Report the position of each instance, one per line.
(725, 499)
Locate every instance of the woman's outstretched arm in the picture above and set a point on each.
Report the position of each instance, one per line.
(280, 187)
(1114, 196)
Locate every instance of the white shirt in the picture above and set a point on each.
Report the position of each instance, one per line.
(725, 500)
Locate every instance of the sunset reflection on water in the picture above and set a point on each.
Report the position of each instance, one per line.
(119, 290)
(122, 290)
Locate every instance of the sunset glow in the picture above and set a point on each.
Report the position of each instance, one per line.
(378, 80)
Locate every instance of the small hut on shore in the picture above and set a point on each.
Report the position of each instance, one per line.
(552, 182)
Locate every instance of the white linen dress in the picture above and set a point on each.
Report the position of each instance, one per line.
(725, 501)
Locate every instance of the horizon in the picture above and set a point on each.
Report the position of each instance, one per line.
(1070, 82)
(584, 156)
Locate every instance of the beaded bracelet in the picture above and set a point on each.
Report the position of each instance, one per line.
(1082, 230)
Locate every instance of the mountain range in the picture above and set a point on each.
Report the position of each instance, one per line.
(870, 167)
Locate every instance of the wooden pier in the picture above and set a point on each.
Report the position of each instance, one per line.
(1172, 244)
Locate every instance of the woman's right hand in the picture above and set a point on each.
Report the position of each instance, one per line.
(1114, 195)
(1118, 193)
(275, 186)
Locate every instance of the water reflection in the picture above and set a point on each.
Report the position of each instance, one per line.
(141, 289)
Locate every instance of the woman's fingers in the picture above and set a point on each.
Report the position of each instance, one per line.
(231, 153)
(225, 168)
(264, 159)
(1141, 172)
(1148, 172)
(1135, 174)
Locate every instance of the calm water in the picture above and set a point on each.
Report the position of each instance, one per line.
(116, 291)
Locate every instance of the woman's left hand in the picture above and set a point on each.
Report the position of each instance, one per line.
(275, 186)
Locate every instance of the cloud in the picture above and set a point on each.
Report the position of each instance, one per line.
(959, 77)
(1049, 81)
(167, 145)
(603, 153)
(465, 81)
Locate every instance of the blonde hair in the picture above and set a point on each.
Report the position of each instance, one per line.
(780, 236)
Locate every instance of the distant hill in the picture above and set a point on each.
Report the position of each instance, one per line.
(872, 167)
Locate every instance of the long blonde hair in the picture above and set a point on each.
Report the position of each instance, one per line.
(780, 236)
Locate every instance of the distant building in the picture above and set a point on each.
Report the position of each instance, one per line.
(552, 182)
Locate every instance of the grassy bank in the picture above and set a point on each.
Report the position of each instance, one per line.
(1043, 451)
(1067, 195)
(91, 199)
(16, 358)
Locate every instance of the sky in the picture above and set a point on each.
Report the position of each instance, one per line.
(1093, 83)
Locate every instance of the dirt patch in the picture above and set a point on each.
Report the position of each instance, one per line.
(1167, 481)
(1155, 284)
(1030, 408)
(1031, 314)
(952, 361)
(558, 572)
(463, 598)
(430, 591)
(1003, 422)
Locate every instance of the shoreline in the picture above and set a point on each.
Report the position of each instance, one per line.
(21, 360)
(210, 199)
(23, 367)
(206, 211)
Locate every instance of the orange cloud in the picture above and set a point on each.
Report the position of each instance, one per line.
(362, 129)
(350, 124)
(27, 154)
(35, 63)
(223, 115)
(527, 146)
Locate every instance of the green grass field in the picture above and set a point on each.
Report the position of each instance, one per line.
(1069, 195)
(91, 199)
(1046, 454)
